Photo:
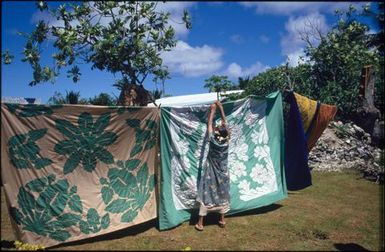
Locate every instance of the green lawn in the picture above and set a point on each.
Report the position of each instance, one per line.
(340, 211)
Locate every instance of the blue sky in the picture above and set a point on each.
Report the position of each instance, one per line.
(237, 39)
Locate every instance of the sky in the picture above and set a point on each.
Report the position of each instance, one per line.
(237, 39)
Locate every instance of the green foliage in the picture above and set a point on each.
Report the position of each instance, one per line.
(337, 63)
(71, 97)
(376, 39)
(25, 153)
(332, 72)
(218, 83)
(276, 78)
(103, 99)
(157, 94)
(7, 57)
(74, 73)
(44, 214)
(57, 98)
(129, 44)
(342, 131)
(86, 142)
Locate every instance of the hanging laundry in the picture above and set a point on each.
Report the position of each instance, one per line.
(255, 156)
(297, 170)
(315, 117)
(73, 172)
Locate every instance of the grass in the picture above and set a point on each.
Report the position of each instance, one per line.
(340, 211)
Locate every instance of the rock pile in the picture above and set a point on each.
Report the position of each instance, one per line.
(347, 146)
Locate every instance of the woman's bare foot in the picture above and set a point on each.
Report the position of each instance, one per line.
(198, 227)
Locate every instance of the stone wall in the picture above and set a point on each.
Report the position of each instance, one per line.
(347, 146)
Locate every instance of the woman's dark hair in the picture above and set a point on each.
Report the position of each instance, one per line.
(223, 132)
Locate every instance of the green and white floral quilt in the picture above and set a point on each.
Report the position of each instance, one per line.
(256, 157)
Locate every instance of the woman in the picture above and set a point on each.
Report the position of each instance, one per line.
(214, 185)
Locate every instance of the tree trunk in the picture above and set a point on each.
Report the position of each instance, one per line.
(134, 95)
(368, 115)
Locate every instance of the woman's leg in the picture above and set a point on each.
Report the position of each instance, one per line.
(199, 225)
(222, 218)
(202, 214)
(200, 221)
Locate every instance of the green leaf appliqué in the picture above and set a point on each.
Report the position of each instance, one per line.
(25, 153)
(86, 143)
(45, 215)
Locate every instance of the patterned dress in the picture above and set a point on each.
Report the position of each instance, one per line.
(214, 185)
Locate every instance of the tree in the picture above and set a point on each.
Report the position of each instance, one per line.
(103, 99)
(123, 38)
(217, 83)
(337, 62)
(71, 97)
(297, 78)
(377, 39)
(157, 94)
(57, 98)
(243, 82)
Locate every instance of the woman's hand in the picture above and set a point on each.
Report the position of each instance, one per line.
(218, 103)
(213, 106)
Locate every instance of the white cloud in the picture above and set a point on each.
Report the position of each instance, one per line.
(234, 70)
(296, 58)
(264, 39)
(289, 8)
(176, 14)
(49, 19)
(193, 61)
(292, 44)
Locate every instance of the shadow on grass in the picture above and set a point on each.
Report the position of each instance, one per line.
(5, 244)
(212, 218)
(130, 231)
(349, 247)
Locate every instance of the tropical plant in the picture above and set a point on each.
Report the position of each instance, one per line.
(86, 142)
(71, 97)
(218, 83)
(103, 99)
(57, 98)
(119, 37)
(157, 94)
